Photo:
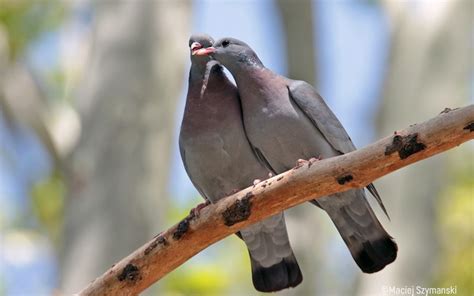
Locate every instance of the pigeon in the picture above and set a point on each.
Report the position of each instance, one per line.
(219, 161)
(286, 121)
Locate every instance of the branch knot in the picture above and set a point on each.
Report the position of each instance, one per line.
(405, 145)
(239, 211)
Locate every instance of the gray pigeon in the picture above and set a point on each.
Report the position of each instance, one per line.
(286, 120)
(220, 161)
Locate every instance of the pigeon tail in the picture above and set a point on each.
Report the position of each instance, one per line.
(373, 256)
(279, 276)
(370, 245)
(274, 266)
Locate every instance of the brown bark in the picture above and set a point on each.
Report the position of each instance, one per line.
(176, 245)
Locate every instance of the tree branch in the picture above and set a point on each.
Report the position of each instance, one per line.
(357, 169)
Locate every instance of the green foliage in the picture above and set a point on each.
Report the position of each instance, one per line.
(176, 212)
(48, 204)
(2, 286)
(25, 20)
(55, 79)
(223, 269)
(197, 279)
(455, 213)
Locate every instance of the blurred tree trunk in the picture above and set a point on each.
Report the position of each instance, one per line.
(301, 55)
(127, 102)
(21, 100)
(429, 70)
(298, 24)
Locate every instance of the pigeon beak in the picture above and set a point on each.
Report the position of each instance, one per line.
(195, 46)
(204, 51)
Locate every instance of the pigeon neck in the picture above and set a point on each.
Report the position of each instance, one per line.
(198, 70)
(251, 75)
(251, 60)
(245, 63)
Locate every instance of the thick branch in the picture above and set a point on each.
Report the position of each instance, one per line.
(175, 246)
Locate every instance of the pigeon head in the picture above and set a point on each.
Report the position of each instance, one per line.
(232, 53)
(199, 42)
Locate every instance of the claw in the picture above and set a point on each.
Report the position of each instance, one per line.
(195, 212)
(256, 181)
(313, 160)
(300, 162)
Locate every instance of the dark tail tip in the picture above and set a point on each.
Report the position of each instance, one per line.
(277, 277)
(375, 255)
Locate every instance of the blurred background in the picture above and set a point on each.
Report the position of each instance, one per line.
(91, 99)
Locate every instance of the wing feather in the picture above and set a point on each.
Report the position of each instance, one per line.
(313, 105)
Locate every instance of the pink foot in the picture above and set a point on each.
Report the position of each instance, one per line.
(256, 181)
(195, 211)
(300, 162)
(313, 160)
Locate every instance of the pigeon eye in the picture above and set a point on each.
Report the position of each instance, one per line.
(225, 43)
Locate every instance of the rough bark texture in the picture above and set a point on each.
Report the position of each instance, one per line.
(173, 247)
(127, 104)
(429, 69)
